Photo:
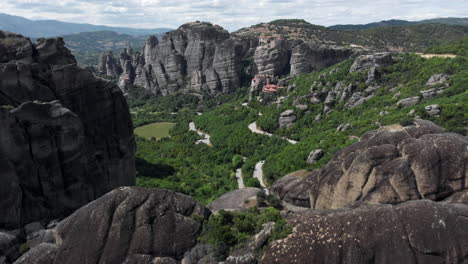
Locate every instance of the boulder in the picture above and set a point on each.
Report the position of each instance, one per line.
(391, 165)
(343, 127)
(302, 107)
(66, 136)
(9, 247)
(437, 79)
(413, 232)
(384, 113)
(287, 119)
(236, 200)
(433, 110)
(368, 62)
(41, 254)
(409, 101)
(314, 156)
(396, 95)
(130, 221)
(39, 237)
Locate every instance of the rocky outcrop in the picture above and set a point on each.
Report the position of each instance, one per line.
(273, 59)
(370, 63)
(205, 60)
(131, 223)
(391, 165)
(66, 136)
(236, 200)
(314, 156)
(109, 66)
(306, 58)
(287, 119)
(433, 110)
(438, 83)
(413, 232)
(196, 58)
(410, 101)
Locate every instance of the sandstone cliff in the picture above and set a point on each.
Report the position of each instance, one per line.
(66, 136)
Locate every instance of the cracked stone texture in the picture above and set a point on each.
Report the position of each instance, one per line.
(387, 166)
(66, 136)
(130, 221)
(420, 231)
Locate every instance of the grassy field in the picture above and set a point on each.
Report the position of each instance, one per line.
(156, 130)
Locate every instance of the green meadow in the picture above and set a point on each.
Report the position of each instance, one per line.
(156, 130)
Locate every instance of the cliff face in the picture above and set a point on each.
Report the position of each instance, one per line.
(206, 60)
(197, 57)
(66, 136)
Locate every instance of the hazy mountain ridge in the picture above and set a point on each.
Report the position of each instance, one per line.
(398, 22)
(87, 46)
(51, 28)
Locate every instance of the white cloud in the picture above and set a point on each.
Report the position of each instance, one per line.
(232, 14)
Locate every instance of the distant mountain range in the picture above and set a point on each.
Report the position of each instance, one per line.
(52, 28)
(396, 22)
(87, 46)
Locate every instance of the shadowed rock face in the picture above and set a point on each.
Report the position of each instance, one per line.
(129, 223)
(413, 232)
(66, 136)
(388, 166)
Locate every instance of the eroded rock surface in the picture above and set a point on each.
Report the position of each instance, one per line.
(387, 166)
(128, 224)
(66, 136)
(240, 199)
(413, 232)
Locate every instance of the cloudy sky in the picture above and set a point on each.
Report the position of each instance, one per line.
(231, 14)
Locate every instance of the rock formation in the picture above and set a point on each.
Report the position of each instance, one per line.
(130, 222)
(391, 165)
(413, 232)
(306, 58)
(205, 60)
(236, 200)
(287, 119)
(314, 156)
(127, 225)
(196, 58)
(66, 136)
(109, 66)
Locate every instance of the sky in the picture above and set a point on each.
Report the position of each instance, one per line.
(231, 14)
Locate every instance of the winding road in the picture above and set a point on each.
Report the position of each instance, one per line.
(258, 174)
(205, 137)
(253, 127)
(239, 178)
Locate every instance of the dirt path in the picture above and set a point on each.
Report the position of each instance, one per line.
(205, 137)
(253, 127)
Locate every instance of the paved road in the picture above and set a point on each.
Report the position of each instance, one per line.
(240, 179)
(258, 174)
(205, 137)
(253, 127)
